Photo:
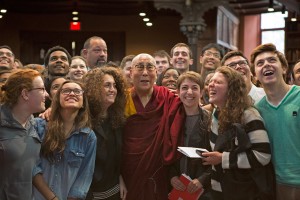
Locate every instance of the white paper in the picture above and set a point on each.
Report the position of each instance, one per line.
(190, 151)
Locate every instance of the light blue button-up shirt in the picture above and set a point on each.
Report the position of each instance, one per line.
(70, 175)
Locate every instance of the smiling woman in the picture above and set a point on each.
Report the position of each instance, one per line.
(23, 95)
(106, 91)
(69, 147)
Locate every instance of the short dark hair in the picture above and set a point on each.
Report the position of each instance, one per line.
(162, 53)
(125, 60)
(181, 45)
(56, 48)
(5, 47)
(87, 43)
(213, 46)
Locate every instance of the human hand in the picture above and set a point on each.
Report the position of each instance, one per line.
(212, 158)
(123, 189)
(174, 92)
(194, 185)
(46, 115)
(177, 184)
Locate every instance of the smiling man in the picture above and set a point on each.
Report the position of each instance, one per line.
(210, 58)
(236, 60)
(57, 61)
(153, 114)
(181, 57)
(280, 109)
(7, 57)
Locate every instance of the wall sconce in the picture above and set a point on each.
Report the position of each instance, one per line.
(270, 8)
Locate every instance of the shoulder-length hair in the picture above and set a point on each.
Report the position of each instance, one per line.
(94, 83)
(55, 139)
(17, 81)
(237, 99)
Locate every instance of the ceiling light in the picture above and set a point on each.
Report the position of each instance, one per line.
(3, 10)
(270, 8)
(75, 13)
(146, 19)
(149, 24)
(1, 16)
(75, 18)
(294, 17)
(142, 14)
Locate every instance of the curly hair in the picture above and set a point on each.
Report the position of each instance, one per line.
(17, 81)
(238, 100)
(94, 82)
(55, 139)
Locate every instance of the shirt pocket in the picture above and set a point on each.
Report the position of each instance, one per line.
(75, 158)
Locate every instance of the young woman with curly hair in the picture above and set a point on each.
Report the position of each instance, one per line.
(69, 147)
(106, 91)
(237, 150)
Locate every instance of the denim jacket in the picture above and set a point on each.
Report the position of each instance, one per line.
(70, 175)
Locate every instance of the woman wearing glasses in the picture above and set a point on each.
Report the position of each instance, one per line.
(107, 97)
(23, 95)
(68, 148)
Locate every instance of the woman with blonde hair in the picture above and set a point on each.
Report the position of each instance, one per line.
(106, 91)
(69, 147)
(23, 94)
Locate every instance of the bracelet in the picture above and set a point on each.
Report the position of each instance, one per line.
(53, 197)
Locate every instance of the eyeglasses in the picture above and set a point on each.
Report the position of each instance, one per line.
(261, 62)
(141, 67)
(241, 63)
(67, 91)
(39, 88)
(8, 54)
(209, 54)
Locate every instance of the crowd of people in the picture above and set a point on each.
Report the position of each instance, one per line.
(84, 128)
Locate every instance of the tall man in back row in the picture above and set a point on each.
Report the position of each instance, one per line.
(151, 134)
(95, 52)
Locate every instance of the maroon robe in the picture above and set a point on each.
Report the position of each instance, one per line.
(150, 140)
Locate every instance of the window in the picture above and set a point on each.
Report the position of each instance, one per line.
(272, 29)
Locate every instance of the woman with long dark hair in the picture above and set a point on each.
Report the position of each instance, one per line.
(106, 91)
(69, 147)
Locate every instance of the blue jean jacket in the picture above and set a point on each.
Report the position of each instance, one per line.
(70, 175)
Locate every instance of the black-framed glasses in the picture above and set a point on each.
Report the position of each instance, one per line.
(67, 91)
(8, 54)
(241, 63)
(43, 89)
(215, 55)
(141, 67)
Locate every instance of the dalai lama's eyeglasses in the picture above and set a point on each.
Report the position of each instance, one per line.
(141, 67)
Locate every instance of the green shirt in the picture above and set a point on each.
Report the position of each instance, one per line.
(283, 126)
